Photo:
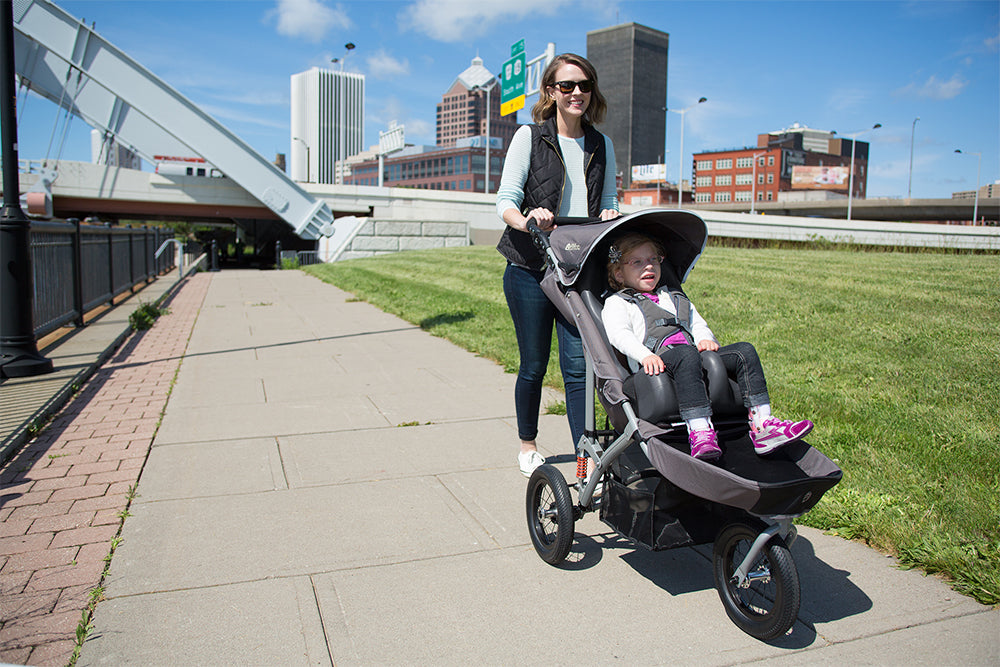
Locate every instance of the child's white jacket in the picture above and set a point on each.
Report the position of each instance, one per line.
(626, 326)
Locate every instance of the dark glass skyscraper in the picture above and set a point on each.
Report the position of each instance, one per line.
(631, 61)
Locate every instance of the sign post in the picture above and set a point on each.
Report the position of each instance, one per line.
(390, 141)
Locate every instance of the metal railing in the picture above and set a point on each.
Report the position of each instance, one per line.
(78, 267)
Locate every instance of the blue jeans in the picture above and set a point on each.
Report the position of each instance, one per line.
(533, 315)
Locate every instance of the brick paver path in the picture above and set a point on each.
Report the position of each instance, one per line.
(64, 494)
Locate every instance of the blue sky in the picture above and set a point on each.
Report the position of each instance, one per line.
(763, 66)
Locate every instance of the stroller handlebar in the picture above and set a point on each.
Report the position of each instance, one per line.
(541, 240)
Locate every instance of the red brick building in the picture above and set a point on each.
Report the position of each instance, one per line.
(462, 112)
(458, 161)
(459, 168)
(797, 159)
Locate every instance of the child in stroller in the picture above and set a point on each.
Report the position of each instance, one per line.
(661, 331)
(655, 493)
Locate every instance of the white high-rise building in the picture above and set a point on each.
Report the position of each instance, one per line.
(328, 123)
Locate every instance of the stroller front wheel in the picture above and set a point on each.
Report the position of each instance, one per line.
(766, 605)
(550, 514)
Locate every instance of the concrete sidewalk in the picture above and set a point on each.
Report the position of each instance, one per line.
(332, 485)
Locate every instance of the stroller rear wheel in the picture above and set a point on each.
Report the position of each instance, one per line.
(767, 604)
(550, 514)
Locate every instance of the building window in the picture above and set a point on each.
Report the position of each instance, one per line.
(770, 196)
(760, 161)
(724, 164)
(770, 178)
(770, 160)
(744, 162)
(703, 165)
(721, 197)
(703, 181)
(742, 195)
(703, 197)
(760, 179)
(744, 179)
(723, 179)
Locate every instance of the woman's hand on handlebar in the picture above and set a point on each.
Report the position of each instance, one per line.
(609, 214)
(543, 217)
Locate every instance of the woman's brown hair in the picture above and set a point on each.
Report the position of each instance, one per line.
(545, 107)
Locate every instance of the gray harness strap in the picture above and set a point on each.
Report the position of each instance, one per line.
(659, 326)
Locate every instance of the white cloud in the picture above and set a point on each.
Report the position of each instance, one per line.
(238, 115)
(848, 98)
(309, 19)
(461, 20)
(417, 130)
(934, 88)
(382, 65)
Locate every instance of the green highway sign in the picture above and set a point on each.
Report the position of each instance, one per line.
(512, 81)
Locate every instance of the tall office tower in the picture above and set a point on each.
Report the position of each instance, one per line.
(328, 123)
(631, 62)
(462, 112)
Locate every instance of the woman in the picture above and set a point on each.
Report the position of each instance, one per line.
(559, 166)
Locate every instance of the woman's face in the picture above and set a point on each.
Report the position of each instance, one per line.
(574, 103)
(640, 268)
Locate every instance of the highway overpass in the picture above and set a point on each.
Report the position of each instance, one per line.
(83, 189)
(895, 210)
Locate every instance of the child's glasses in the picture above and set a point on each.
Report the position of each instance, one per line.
(567, 87)
(643, 262)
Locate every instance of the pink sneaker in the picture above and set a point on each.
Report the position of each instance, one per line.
(776, 433)
(704, 445)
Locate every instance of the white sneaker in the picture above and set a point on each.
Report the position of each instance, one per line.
(528, 461)
(598, 489)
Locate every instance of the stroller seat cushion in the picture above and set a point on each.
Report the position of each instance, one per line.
(654, 399)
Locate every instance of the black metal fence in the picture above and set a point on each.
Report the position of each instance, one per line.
(78, 267)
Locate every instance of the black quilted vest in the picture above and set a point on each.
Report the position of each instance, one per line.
(544, 186)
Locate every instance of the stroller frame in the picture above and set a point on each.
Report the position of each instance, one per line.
(754, 514)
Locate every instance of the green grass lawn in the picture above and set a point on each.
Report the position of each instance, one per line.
(893, 355)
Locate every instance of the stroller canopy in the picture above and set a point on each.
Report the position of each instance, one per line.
(682, 234)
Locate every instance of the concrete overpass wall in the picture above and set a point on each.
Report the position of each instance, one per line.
(864, 232)
(82, 182)
(404, 218)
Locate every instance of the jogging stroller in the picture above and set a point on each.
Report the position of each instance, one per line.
(655, 493)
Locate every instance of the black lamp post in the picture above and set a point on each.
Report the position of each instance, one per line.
(19, 356)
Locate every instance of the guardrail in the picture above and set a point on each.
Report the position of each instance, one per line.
(861, 232)
(78, 267)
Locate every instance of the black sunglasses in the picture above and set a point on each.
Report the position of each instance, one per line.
(567, 87)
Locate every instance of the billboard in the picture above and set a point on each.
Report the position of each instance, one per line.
(820, 178)
(649, 173)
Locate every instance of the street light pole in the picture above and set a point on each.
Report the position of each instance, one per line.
(913, 130)
(307, 156)
(19, 356)
(850, 185)
(489, 112)
(680, 171)
(975, 206)
(341, 156)
(753, 183)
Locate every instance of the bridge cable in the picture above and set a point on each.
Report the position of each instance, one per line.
(69, 115)
(23, 102)
(62, 93)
